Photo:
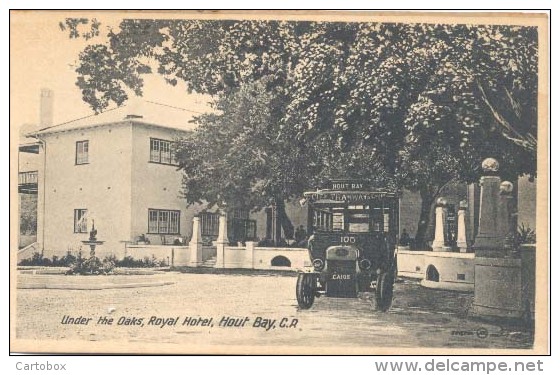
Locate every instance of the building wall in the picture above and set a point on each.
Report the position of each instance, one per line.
(156, 186)
(527, 202)
(102, 187)
(29, 162)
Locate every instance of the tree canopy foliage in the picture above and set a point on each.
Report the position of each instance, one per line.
(417, 105)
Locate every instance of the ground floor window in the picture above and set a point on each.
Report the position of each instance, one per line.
(209, 223)
(80, 220)
(163, 221)
(240, 227)
(242, 230)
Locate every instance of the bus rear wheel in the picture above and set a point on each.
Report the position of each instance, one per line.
(305, 290)
(384, 290)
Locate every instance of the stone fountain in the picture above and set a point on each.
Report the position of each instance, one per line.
(92, 241)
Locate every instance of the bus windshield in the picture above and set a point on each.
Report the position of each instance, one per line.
(354, 218)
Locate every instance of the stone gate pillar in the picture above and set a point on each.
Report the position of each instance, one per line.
(222, 241)
(462, 227)
(490, 236)
(195, 244)
(508, 222)
(504, 277)
(441, 217)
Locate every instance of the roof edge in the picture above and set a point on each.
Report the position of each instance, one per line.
(123, 122)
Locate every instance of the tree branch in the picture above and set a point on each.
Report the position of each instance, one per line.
(514, 104)
(527, 141)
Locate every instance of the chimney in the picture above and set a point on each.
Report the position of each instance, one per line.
(46, 108)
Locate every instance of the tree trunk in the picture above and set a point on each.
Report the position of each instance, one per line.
(424, 220)
(283, 219)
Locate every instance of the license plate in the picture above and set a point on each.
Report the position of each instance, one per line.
(338, 276)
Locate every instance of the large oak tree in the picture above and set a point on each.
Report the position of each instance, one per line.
(419, 104)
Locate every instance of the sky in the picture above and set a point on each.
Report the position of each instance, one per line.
(43, 56)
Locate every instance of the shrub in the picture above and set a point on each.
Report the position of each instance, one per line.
(68, 259)
(27, 261)
(151, 262)
(36, 259)
(91, 266)
(146, 262)
(525, 235)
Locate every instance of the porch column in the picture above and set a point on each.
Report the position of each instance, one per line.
(222, 241)
(195, 245)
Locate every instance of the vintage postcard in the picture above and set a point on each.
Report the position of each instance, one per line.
(279, 182)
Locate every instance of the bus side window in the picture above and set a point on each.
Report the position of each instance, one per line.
(386, 222)
(377, 220)
(322, 220)
(338, 221)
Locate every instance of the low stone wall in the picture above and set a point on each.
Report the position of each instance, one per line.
(411, 264)
(505, 287)
(236, 257)
(208, 252)
(440, 270)
(167, 253)
(264, 258)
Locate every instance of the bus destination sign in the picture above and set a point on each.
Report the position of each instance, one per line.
(347, 185)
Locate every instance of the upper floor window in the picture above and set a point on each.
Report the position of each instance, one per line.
(82, 152)
(80, 220)
(162, 151)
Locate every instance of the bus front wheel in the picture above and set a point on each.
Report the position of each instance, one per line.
(384, 290)
(305, 290)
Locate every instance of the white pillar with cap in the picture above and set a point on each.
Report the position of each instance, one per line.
(462, 227)
(439, 235)
(222, 241)
(195, 244)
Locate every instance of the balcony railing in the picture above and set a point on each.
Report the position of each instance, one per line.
(28, 177)
(28, 182)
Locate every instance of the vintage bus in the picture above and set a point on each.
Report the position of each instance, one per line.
(354, 232)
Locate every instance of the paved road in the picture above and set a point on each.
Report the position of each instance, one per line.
(419, 317)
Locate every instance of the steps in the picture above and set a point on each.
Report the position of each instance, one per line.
(28, 251)
(209, 263)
